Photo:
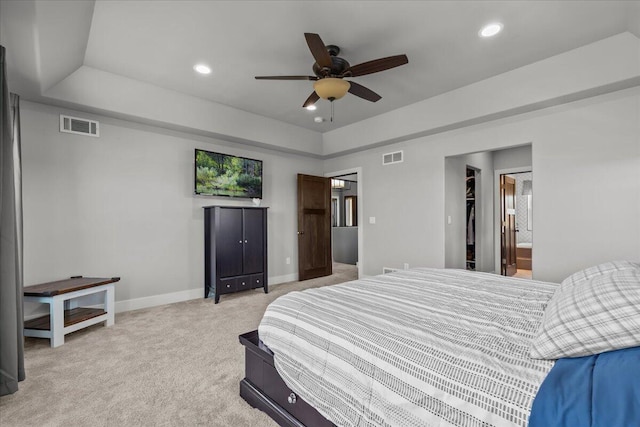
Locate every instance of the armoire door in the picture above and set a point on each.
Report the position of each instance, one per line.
(229, 242)
(253, 258)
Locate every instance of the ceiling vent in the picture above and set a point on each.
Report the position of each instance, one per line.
(79, 126)
(391, 158)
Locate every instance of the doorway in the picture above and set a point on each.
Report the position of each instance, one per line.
(485, 224)
(515, 222)
(347, 202)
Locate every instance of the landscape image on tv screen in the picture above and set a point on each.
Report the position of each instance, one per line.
(220, 174)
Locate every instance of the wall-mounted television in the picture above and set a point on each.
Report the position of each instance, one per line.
(218, 174)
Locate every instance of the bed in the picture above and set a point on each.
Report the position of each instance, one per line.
(414, 347)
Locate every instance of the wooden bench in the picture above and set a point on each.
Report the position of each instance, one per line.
(64, 316)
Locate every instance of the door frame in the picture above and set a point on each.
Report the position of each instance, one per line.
(358, 172)
(497, 211)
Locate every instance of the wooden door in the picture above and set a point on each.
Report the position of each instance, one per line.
(314, 226)
(253, 241)
(508, 218)
(229, 242)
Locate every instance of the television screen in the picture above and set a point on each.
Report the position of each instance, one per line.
(218, 174)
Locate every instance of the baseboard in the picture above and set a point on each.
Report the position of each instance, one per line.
(155, 300)
(293, 277)
(170, 298)
(162, 299)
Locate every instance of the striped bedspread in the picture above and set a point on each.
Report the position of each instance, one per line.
(420, 347)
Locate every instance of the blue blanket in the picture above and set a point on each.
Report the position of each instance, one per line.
(602, 390)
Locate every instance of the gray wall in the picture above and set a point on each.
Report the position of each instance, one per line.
(516, 157)
(123, 205)
(345, 244)
(583, 168)
(455, 207)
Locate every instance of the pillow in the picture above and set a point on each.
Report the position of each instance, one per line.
(598, 314)
(588, 273)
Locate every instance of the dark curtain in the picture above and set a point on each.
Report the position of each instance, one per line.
(11, 319)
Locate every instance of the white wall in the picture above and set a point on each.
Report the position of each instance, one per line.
(123, 205)
(586, 163)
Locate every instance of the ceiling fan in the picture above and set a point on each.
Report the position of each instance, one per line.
(330, 71)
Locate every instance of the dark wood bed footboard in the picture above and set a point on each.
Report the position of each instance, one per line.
(264, 389)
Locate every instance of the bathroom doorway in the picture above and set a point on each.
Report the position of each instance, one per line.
(516, 223)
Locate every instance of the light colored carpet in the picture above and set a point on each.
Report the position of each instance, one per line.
(173, 365)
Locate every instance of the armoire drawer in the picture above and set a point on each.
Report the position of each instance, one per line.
(227, 286)
(256, 281)
(243, 283)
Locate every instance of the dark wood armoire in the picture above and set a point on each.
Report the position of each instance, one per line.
(235, 250)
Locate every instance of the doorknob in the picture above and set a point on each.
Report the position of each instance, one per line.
(300, 232)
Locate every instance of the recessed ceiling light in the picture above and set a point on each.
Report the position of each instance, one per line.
(491, 30)
(311, 107)
(202, 69)
(318, 119)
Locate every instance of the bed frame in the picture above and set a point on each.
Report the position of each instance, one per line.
(264, 389)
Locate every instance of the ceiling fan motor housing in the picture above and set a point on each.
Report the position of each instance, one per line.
(338, 65)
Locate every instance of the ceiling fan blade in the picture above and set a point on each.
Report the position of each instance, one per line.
(376, 65)
(286, 78)
(312, 99)
(363, 92)
(318, 50)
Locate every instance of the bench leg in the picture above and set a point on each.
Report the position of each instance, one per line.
(110, 305)
(56, 311)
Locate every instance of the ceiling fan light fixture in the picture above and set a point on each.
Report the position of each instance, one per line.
(331, 88)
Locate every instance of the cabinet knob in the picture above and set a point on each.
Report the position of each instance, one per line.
(242, 283)
(292, 398)
(228, 286)
(257, 281)
(246, 241)
(240, 241)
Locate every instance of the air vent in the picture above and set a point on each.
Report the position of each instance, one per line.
(391, 158)
(386, 270)
(79, 126)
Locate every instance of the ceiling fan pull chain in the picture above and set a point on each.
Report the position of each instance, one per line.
(331, 102)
